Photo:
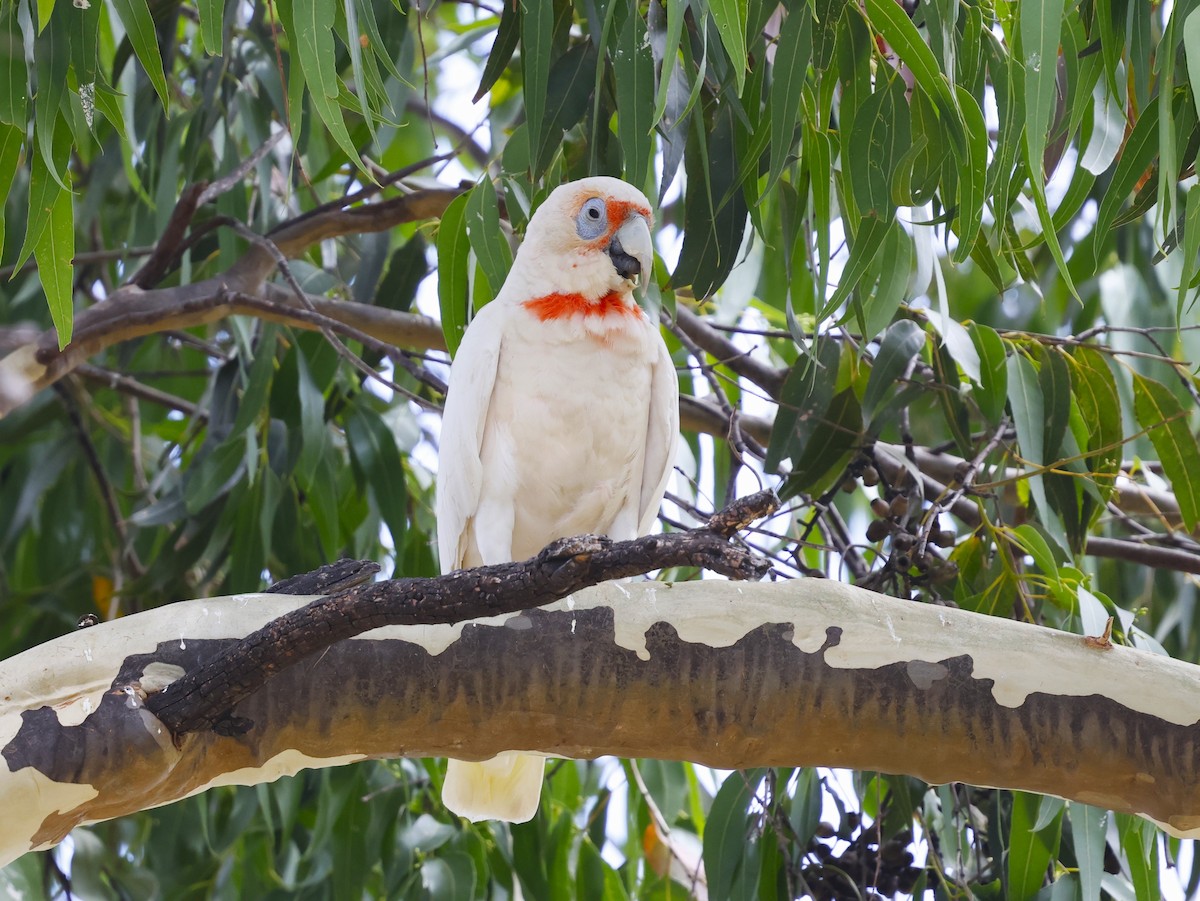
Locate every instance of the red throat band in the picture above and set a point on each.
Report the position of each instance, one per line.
(562, 306)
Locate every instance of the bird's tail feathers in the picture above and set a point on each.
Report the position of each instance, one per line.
(507, 787)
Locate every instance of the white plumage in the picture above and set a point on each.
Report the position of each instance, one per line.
(561, 419)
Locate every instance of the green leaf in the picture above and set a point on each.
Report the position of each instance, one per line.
(972, 176)
(1088, 828)
(1191, 46)
(1166, 422)
(803, 400)
(1054, 377)
(788, 75)
(807, 802)
(139, 26)
(1100, 407)
(1139, 842)
(312, 35)
(1030, 850)
(12, 142)
(1041, 26)
(14, 77)
(566, 99)
(258, 377)
(834, 438)
(1137, 156)
(893, 23)
(634, 75)
(675, 15)
(1190, 259)
(487, 239)
(715, 209)
(215, 474)
(85, 35)
(373, 452)
(1029, 419)
(993, 374)
(212, 16)
(45, 10)
(508, 35)
(903, 340)
(1036, 546)
(52, 57)
(867, 243)
(729, 833)
(895, 268)
(54, 250)
(453, 251)
(730, 19)
(537, 27)
(879, 138)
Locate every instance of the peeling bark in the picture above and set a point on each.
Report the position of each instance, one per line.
(805, 672)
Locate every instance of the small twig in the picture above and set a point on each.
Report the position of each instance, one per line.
(327, 324)
(107, 493)
(965, 482)
(127, 385)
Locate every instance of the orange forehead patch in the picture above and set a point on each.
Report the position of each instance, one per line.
(619, 211)
(563, 306)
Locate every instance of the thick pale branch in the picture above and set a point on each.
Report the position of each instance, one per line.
(202, 699)
(802, 672)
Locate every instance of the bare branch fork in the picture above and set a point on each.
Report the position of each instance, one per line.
(203, 699)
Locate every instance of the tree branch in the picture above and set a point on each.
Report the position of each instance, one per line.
(204, 697)
(801, 672)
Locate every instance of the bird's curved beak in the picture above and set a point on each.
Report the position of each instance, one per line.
(632, 251)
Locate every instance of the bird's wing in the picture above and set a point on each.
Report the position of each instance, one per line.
(460, 471)
(662, 435)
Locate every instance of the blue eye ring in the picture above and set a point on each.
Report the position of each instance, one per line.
(592, 221)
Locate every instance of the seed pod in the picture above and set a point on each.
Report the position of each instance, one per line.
(880, 507)
(899, 505)
(877, 530)
(870, 476)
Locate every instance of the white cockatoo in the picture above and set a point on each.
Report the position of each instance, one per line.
(561, 419)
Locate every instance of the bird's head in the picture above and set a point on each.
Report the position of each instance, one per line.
(591, 237)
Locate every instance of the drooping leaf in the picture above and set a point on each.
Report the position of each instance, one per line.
(1030, 849)
(54, 249)
(1088, 828)
(14, 77)
(728, 834)
(1099, 402)
(1054, 377)
(373, 452)
(482, 217)
(508, 35)
(635, 98)
(715, 211)
(901, 342)
(139, 26)
(788, 75)
(803, 400)
(537, 27)
(566, 99)
(1166, 422)
(212, 15)
(453, 250)
(730, 18)
(1041, 26)
(312, 33)
(879, 138)
(993, 373)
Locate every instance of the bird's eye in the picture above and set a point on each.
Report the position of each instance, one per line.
(592, 220)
